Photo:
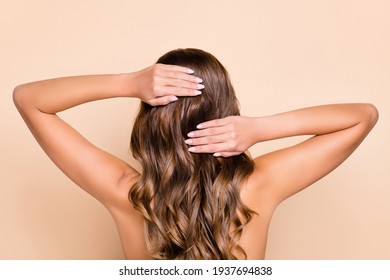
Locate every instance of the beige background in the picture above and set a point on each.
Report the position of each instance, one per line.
(281, 55)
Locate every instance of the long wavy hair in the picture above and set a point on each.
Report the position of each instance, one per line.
(191, 202)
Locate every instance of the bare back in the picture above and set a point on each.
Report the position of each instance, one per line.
(253, 240)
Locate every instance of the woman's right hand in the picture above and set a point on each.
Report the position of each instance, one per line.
(161, 84)
(224, 137)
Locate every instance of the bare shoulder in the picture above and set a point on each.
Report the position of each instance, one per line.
(128, 220)
(255, 195)
(255, 192)
(122, 203)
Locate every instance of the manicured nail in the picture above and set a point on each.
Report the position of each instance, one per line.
(188, 141)
(191, 134)
(199, 86)
(190, 71)
(173, 98)
(217, 154)
(197, 92)
(192, 149)
(199, 126)
(198, 80)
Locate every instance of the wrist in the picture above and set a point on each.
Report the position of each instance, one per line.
(125, 84)
(258, 127)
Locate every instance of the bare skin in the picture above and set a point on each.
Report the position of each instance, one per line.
(337, 131)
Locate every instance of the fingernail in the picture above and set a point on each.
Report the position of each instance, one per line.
(188, 141)
(173, 98)
(199, 86)
(190, 71)
(217, 154)
(191, 134)
(198, 80)
(199, 126)
(192, 149)
(197, 92)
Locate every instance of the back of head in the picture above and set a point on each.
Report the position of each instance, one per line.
(190, 201)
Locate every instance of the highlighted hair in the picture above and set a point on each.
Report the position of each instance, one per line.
(191, 202)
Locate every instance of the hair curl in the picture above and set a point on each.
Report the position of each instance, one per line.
(190, 202)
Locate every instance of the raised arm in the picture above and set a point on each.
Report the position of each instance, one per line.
(93, 169)
(338, 130)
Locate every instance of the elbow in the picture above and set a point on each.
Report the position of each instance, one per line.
(371, 115)
(19, 96)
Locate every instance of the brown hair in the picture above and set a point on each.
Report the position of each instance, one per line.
(190, 202)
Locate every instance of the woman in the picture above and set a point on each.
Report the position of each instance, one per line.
(198, 195)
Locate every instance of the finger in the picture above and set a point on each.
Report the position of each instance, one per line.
(207, 140)
(180, 83)
(213, 123)
(211, 148)
(160, 101)
(177, 91)
(207, 132)
(225, 154)
(170, 67)
(180, 76)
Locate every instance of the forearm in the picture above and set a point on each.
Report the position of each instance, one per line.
(156, 85)
(314, 121)
(55, 95)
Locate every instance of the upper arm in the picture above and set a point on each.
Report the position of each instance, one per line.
(96, 171)
(288, 171)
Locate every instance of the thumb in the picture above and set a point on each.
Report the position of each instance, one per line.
(160, 101)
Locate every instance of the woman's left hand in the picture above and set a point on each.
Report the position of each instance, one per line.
(161, 84)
